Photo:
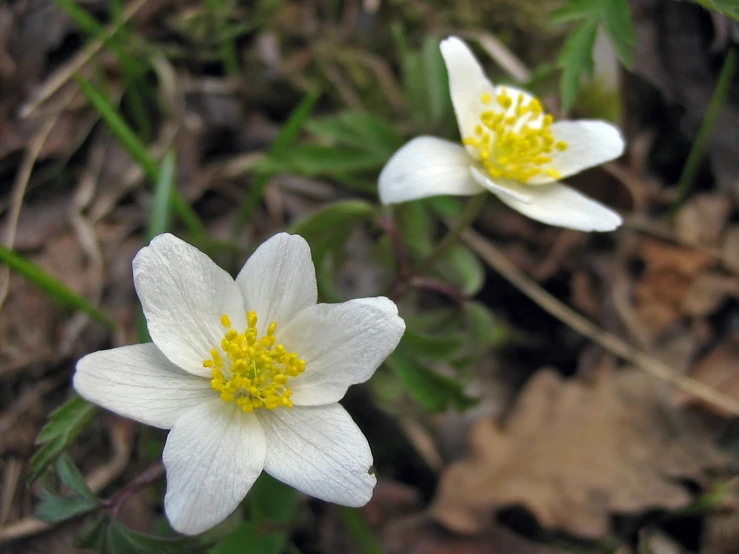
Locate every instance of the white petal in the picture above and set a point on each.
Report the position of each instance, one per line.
(183, 294)
(279, 280)
(589, 143)
(427, 166)
(342, 345)
(213, 455)
(467, 84)
(138, 382)
(480, 175)
(560, 205)
(320, 451)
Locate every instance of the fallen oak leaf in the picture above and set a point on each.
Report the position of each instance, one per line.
(572, 453)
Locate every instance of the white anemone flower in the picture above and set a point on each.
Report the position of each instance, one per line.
(510, 147)
(247, 374)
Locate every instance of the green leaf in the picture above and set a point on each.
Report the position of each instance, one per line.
(700, 143)
(365, 539)
(416, 227)
(64, 426)
(72, 478)
(273, 507)
(283, 142)
(616, 18)
(574, 9)
(120, 129)
(54, 288)
(576, 59)
(94, 533)
(358, 131)
(318, 159)
(461, 268)
(295, 122)
(436, 81)
(726, 7)
(54, 508)
(431, 347)
(329, 228)
(159, 218)
(139, 152)
(484, 330)
(431, 390)
(127, 541)
(272, 500)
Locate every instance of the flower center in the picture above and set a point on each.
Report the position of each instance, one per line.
(516, 141)
(256, 371)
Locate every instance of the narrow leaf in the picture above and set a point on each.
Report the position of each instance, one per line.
(127, 541)
(54, 508)
(72, 478)
(576, 60)
(54, 288)
(431, 347)
(726, 7)
(616, 18)
(364, 537)
(140, 153)
(159, 218)
(462, 268)
(285, 139)
(433, 391)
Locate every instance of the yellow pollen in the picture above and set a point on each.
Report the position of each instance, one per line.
(515, 141)
(255, 371)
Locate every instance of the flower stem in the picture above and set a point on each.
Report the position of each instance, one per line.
(468, 216)
(150, 475)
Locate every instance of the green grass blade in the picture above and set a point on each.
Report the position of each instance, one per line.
(364, 537)
(54, 288)
(698, 151)
(159, 219)
(139, 152)
(82, 18)
(286, 138)
(120, 129)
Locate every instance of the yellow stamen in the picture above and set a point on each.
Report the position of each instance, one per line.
(515, 141)
(256, 370)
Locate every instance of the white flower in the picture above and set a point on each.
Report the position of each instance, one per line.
(511, 148)
(247, 374)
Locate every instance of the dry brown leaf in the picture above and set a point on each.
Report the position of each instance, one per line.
(720, 370)
(660, 292)
(703, 218)
(707, 292)
(573, 453)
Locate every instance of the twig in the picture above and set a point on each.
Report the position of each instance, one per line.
(66, 72)
(468, 216)
(121, 438)
(151, 474)
(574, 320)
(19, 191)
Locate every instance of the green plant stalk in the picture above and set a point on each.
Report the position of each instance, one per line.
(52, 286)
(364, 537)
(159, 217)
(140, 154)
(284, 140)
(698, 151)
(469, 214)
